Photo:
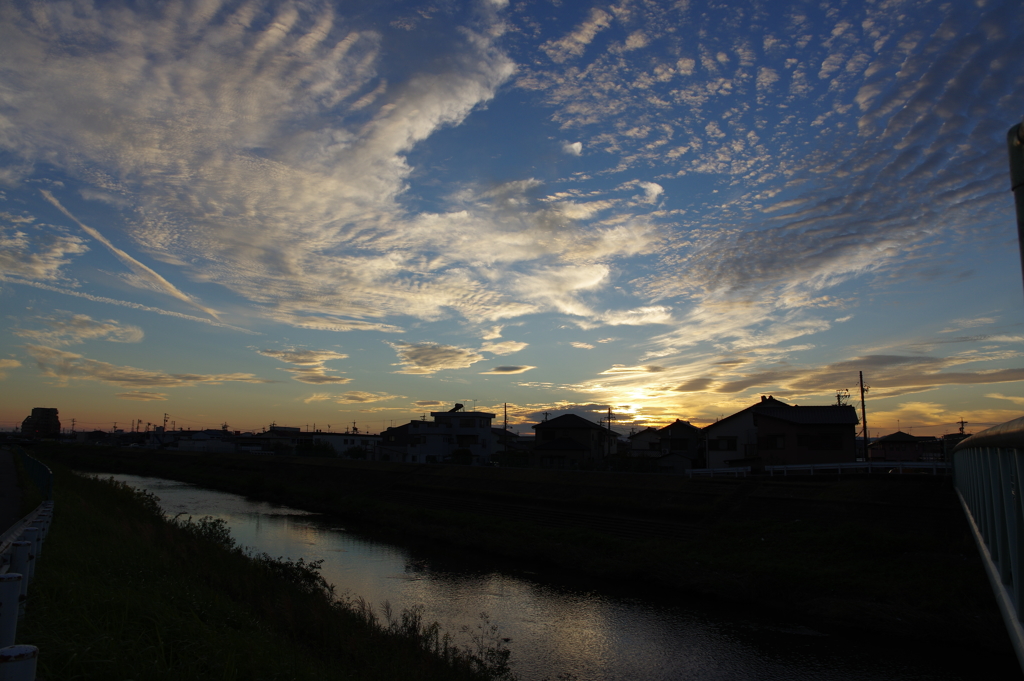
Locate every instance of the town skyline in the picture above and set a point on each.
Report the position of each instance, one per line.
(297, 212)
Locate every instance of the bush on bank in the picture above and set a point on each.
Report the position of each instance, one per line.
(122, 592)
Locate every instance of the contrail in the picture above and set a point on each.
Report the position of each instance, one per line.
(126, 303)
(132, 263)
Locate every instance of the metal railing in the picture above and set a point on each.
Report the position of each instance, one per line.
(21, 545)
(987, 472)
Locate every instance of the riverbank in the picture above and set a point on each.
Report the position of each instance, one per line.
(888, 556)
(122, 592)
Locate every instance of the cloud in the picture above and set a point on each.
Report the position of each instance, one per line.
(1015, 400)
(503, 348)
(308, 365)
(574, 43)
(351, 397)
(39, 255)
(54, 363)
(652, 190)
(247, 144)
(6, 364)
(129, 304)
(361, 397)
(429, 358)
(961, 324)
(572, 148)
(581, 345)
(143, 272)
(508, 370)
(141, 396)
(492, 333)
(644, 369)
(68, 328)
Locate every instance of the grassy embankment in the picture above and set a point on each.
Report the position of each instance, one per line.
(885, 556)
(121, 592)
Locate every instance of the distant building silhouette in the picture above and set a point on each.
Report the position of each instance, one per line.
(42, 423)
(771, 432)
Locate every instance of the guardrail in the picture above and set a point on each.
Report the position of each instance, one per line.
(987, 472)
(935, 467)
(21, 545)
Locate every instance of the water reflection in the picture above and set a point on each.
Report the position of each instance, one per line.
(553, 629)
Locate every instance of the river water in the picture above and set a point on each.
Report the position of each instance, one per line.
(555, 628)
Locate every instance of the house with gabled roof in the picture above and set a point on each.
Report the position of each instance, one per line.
(900, 446)
(771, 432)
(570, 441)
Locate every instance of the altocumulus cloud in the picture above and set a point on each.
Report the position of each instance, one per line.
(59, 364)
(429, 358)
(6, 364)
(310, 222)
(68, 328)
(506, 370)
(308, 365)
(142, 396)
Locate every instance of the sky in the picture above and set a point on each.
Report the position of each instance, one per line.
(319, 214)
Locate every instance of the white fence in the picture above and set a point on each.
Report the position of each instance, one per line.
(20, 548)
(988, 476)
(933, 467)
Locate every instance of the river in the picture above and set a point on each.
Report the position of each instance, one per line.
(557, 628)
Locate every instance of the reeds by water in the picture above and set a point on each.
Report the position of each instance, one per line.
(126, 593)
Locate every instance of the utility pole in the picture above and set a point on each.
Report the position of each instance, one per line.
(864, 414)
(961, 422)
(73, 426)
(611, 435)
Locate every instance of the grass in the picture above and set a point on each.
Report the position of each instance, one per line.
(124, 593)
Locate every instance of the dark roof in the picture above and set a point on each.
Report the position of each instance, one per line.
(648, 429)
(900, 436)
(678, 424)
(832, 414)
(765, 403)
(569, 421)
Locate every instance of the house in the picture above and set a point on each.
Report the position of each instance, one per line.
(772, 432)
(646, 443)
(570, 441)
(680, 439)
(900, 446)
(351, 444)
(454, 436)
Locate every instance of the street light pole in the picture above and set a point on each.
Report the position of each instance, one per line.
(1015, 144)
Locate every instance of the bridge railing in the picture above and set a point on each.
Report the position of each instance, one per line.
(20, 547)
(987, 472)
